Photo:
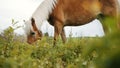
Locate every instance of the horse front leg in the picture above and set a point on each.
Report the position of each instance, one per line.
(57, 30)
(63, 36)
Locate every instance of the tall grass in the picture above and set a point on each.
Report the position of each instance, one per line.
(75, 53)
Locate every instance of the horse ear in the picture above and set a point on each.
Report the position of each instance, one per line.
(33, 24)
(33, 21)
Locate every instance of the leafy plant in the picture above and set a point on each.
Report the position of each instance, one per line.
(75, 53)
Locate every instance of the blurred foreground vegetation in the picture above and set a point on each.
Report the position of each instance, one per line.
(92, 52)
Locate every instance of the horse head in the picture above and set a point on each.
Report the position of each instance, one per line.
(32, 32)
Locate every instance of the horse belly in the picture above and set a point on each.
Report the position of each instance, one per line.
(80, 16)
(80, 20)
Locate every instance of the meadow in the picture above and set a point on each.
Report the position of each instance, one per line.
(81, 52)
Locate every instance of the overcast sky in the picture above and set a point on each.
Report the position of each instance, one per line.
(20, 10)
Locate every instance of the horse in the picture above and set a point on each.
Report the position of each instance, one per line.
(61, 13)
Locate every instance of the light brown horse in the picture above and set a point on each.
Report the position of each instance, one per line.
(61, 13)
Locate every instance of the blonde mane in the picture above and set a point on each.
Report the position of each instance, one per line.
(41, 14)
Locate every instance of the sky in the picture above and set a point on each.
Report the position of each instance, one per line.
(20, 10)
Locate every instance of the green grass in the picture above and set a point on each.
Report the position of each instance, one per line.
(76, 53)
(91, 52)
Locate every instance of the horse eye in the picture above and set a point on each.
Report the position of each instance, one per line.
(32, 33)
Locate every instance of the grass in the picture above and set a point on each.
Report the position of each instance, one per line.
(75, 53)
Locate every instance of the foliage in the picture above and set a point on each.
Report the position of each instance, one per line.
(82, 52)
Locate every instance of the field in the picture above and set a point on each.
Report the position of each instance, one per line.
(90, 52)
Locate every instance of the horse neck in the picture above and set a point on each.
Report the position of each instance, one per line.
(43, 11)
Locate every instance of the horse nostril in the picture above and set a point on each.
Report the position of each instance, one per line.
(32, 33)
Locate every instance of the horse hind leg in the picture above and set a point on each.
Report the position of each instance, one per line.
(109, 18)
(109, 23)
(105, 23)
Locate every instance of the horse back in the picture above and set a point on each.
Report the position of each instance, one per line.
(79, 12)
(75, 12)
